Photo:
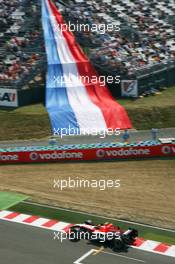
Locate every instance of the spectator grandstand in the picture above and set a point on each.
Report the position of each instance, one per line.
(145, 44)
(143, 49)
(21, 44)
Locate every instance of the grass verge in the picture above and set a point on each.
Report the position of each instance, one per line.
(153, 111)
(77, 217)
(8, 199)
(24, 123)
(33, 121)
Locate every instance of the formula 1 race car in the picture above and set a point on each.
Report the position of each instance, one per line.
(106, 233)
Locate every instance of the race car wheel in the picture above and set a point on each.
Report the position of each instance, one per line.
(117, 244)
(74, 235)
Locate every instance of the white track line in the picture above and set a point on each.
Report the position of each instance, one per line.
(78, 261)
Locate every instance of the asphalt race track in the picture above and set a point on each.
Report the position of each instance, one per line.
(21, 244)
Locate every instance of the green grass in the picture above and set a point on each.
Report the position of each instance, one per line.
(8, 199)
(165, 99)
(33, 122)
(153, 111)
(24, 123)
(76, 217)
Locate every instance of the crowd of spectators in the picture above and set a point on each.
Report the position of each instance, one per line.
(7, 10)
(20, 40)
(145, 37)
(17, 66)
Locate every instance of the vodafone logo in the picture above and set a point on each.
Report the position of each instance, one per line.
(34, 156)
(168, 150)
(128, 152)
(9, 157)
(100, 153)
(55, 155)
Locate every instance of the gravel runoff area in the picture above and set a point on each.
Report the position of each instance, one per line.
(146, 192)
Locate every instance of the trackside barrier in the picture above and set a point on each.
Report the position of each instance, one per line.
(94, 154)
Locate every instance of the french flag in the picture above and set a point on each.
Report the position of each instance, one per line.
(73, 101)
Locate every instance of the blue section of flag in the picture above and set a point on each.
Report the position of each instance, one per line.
(60, 112)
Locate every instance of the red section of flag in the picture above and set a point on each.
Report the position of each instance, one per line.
(114, 114)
